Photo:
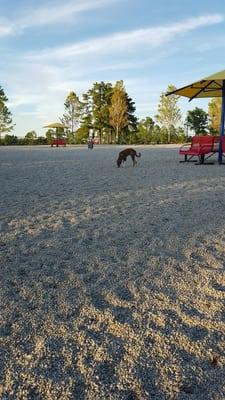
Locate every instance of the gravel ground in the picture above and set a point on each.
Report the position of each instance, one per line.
(112, 280)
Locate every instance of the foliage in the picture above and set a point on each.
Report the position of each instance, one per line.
(168, 112)
(50, 134)
(95, 109)
(31, 136)
(214, 112)
(197, 120)
(96, 104)
(145, 131)
(118, 109)
(106, 110)
(151, 133)
(5, 115)
(82, 135)
(130, 130)
(71, 117)
(41, 140)
(10, 140)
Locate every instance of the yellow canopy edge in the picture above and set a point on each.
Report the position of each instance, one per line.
(211, 86)
(55, 125)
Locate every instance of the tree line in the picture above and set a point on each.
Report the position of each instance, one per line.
(108, 112)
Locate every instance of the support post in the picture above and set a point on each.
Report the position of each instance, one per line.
(220, 155)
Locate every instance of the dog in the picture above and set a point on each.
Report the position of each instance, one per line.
(124, 154)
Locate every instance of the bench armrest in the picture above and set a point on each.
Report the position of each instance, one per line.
(185, 145)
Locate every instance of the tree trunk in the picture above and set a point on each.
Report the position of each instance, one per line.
(117, 134)
(72, 126)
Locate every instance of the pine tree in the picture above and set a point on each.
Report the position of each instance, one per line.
(131, 128)
(5, 114)
(118, 111)
(168, 112)
(95, 108)
(71, 117)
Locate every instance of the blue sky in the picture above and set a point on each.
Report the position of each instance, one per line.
(49, 48)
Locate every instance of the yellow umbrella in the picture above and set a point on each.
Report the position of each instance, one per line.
(211, 86)
(58, 127)
(55, 125)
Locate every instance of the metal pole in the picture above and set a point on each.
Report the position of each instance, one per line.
(220, 155)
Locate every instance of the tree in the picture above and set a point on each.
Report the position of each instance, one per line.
(5, 114)
(10, 140)
(95, 114)
(145, 130)
(214, 112)
(82, 134)
(168, 112)
(156, 134)
(129, 131)
(95, 108)
(41, 140)
(49, 135)
(118, 110)
(197, 120)
(31, 136)
(71, 117)
(181, 135)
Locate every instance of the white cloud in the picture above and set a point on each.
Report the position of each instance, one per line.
(49, 14)
(23, 99)
(60, 12)
(153, 37)
(5, 27)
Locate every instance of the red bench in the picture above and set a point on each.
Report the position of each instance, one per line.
(199, 147)
(58, 142)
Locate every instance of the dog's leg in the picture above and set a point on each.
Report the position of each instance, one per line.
(134, 161)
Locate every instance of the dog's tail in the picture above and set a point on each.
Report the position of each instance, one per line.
(138, 154)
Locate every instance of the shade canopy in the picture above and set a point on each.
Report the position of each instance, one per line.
(211, 86)
(55, 125)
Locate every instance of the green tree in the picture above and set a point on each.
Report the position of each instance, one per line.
(82, 135)
(129, 132)
(31, 136)
(41, 140)
(168, 112)
(5, 115)
(50, 134)
(197, 120)
(145, 130)
(95, 108)
(181, 135)
(118, 110)
(86, 114)
(72, 115)
(95, 114)
(214, 112)
(10, 140)
(156, 134)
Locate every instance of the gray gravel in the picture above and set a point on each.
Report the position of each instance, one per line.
(112, 280)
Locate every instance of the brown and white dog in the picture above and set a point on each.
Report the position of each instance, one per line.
(124, 154)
